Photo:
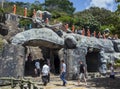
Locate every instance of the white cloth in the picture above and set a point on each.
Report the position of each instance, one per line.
(45, 70)
(37, 65)
(63, 67)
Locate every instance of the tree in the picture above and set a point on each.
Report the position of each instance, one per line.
(100, 14)
(36, 5)
(117, 20)
(87, 20)
(59, 5)
(98, 18)
(117, 0)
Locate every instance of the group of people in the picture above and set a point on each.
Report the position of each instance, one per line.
(38, 68)
(45, 72)
(82, 73)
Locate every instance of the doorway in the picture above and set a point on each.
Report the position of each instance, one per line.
(33, 54)
(56, 64)
(92, 61)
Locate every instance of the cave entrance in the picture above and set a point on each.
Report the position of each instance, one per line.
(33, 54)
(44, 54)
(56, 63)
(92, 61)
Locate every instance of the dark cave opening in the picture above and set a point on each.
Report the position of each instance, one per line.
(92, 61)
(57, 64)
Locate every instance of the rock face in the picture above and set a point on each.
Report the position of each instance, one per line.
(39, 37)
(99, 51)
(76, 48)
(12, 61)
(94, 52)
(10, 26)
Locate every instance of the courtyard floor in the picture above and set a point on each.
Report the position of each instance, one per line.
(93, 83)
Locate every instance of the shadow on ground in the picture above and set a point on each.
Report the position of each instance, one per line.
(105, 83)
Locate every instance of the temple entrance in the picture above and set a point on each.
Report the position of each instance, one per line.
(92, 61)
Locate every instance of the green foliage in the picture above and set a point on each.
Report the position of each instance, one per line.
(1, 10)
(36, 6)
(111, 27)
(117, 0)
(117, 63)
(1, 15)
(59, 5)
(19, 6)
(25, 22)
(87, 20)
(63, 17)
(100, 14)
(66, 19)
(97, 19)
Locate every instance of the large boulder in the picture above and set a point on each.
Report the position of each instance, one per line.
(38, 37)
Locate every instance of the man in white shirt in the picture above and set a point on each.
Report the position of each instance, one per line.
(45, 73)
(63, 72)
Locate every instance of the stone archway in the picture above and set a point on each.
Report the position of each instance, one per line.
(42, 38)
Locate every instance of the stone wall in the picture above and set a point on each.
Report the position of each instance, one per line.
(12, 61)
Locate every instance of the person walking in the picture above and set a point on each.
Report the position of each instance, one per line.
(45, 73)
(82, 73)
(63, 72)
(37, 67)
(112, 73)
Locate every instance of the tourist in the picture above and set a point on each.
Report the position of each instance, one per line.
(29, 63)
(29, 57)
(37, 67)
(48, 63)
(82, 73)
(45, 73)
(63, 72)
(112, 74)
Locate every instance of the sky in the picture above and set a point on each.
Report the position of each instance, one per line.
(81, 5)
